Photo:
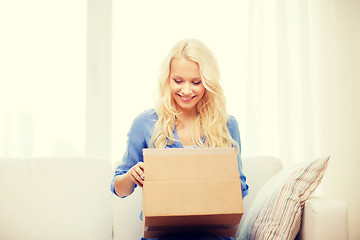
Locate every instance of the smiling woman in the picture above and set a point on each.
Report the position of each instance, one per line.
(188, 113)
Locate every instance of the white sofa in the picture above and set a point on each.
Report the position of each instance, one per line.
(69, 198)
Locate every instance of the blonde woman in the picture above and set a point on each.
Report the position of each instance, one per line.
(190, 112)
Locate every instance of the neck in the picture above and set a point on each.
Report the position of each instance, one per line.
(187, 118)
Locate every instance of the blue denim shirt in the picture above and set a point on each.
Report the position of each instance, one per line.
(139, 137)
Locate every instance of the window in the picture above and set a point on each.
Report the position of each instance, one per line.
(42, 78)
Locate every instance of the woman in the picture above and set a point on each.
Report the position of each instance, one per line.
(190, 112)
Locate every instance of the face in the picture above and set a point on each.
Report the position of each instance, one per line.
(185, 84)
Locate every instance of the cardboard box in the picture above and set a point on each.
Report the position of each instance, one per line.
(191, 191)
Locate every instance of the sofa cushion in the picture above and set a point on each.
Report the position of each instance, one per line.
(276, 210)
(126, 220)
(55, 198)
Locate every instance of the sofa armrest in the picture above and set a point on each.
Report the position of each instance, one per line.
(324, 219)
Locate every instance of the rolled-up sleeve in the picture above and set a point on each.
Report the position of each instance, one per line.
(235, 134)
(135, 144)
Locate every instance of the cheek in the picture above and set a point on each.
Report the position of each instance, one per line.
(201, 90)
(173, 88)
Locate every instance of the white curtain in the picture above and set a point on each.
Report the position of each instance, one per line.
(284, 93)
(304, 85)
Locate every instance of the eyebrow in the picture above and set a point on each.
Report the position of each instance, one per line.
(194, 79)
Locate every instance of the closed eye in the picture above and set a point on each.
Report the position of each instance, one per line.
(177, 81)
(197, 83)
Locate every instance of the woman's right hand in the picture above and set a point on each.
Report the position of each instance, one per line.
(136, 174)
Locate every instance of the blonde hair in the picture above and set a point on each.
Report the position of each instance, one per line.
(210, 129)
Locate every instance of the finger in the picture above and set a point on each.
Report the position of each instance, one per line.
(140, 171)
(136, 173)
(136, 179)
(141, 165)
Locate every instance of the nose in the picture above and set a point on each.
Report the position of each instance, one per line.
(186, 90)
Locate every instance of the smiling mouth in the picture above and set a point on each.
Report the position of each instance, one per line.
(186, 98)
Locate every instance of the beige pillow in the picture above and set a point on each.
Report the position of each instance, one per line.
(277, 209)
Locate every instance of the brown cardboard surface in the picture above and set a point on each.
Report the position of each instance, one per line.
(191, 190)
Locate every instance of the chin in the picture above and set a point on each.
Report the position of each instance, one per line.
(187, 108)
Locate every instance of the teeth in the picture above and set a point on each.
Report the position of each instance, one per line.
(185, 98)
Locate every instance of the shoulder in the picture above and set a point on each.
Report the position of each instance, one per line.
(232, 123)
(147, 116)
(144, 121)
(233, 127)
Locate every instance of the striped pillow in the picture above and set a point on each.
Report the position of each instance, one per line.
(276, 211)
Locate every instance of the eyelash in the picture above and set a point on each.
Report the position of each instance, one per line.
(177, 81)
(180, 81)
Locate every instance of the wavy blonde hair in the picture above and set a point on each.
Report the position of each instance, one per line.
(210, 129)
